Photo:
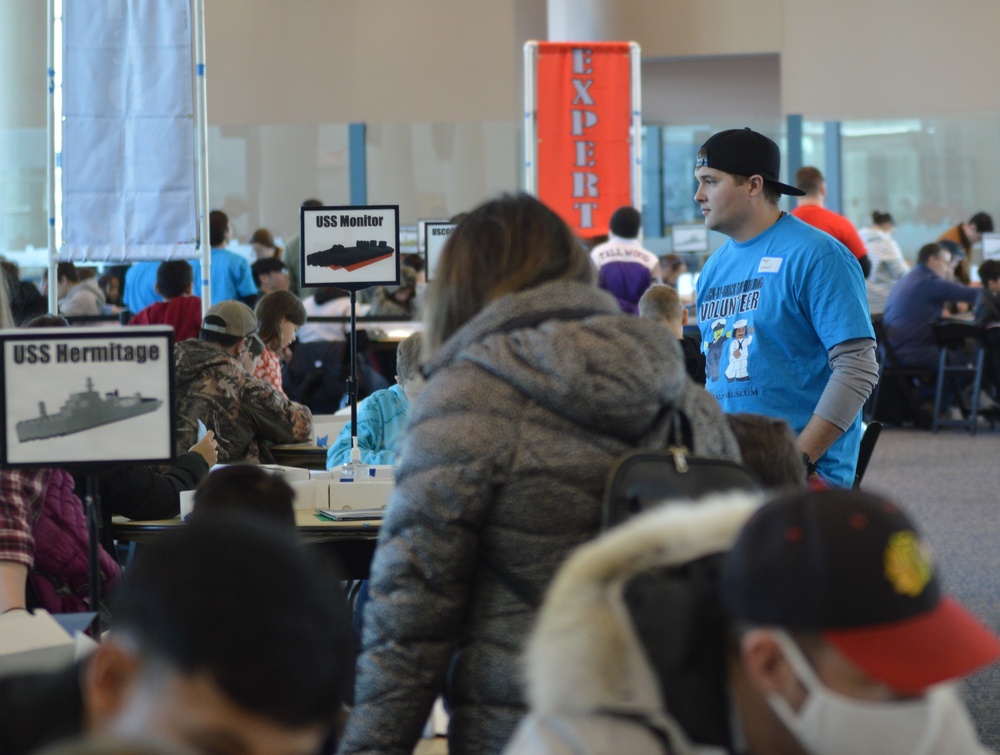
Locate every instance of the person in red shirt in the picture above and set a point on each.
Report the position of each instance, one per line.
(811, 209)
(174, 281)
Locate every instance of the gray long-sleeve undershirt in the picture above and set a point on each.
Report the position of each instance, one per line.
(855, 373)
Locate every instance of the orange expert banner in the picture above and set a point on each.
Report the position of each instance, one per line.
(584, 116)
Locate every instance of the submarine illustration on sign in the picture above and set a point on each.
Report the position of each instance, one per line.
(351, 258)
(83, 411)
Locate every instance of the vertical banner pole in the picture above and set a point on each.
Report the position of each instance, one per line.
(201, 157)
(50, 164)
(530, 140)
(636, 53)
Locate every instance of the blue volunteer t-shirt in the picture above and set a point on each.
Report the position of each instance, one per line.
(231, 276)
(140, 282)
(769, 310)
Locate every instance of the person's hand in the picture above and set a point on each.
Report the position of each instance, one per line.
(208, 447)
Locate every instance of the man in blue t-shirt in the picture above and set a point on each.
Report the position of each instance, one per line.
(231, 277)
(782, 306)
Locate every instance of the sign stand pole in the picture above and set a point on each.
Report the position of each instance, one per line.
(352, 381)
(354, 469)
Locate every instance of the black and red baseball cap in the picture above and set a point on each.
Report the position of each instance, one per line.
(744, 152)
(853, 568)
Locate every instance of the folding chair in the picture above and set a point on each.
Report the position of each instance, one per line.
(868, 441)
(951, 336)
(896, 383)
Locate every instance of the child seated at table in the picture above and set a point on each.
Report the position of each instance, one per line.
(382, 416)
(174, 282)
(246, 488)
(662, 303)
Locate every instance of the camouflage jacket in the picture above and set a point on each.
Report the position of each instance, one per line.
(212, 386)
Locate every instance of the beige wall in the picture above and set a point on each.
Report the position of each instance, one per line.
(673, 28)
(447, 61)
(738, 87)
(22, 63)
(839, 60)
(377, 61)
(884, 59)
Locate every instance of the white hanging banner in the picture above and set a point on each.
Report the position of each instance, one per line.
(128, 153)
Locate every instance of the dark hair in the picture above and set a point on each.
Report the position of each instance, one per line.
(413, 261)
(881, 218)
(771, 194)
(11, 271)
(237, 598)
(982, 221)
(47, 321)
(768, 448)
(264, 237)
(266, 266)
(626, 222)
(271, 310)
(989, 270)
(213, 336)
(218, 227)
(505, 245)
(312, 203)
(809, 179)
(927, 251)
(173, 278)
(68, 271)
(104, 281)
(329, 293)
(671, 261)
(248, 488)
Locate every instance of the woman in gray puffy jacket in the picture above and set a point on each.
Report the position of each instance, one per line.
(536, 384)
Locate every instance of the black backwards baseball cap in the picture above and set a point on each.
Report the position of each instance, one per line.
(743, 152)
(852, 567)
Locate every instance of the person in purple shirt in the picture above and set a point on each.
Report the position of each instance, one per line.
(917, 301)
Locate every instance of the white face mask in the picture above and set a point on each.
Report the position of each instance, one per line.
(831, 723)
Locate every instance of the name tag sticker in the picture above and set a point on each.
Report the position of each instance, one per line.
(770, 264)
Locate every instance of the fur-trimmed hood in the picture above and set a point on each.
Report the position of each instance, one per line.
(584, 655)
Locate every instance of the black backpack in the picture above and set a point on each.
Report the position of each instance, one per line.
(316, 375)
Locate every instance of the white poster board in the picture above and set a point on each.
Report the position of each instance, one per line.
(350, 247)
(76, 396)
(991, 246)
(128, 133)
(436, 235)
(422, 234)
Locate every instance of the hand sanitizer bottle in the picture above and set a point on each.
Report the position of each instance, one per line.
(354, 470)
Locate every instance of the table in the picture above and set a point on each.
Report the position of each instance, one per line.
(302, 455)
(351, 543)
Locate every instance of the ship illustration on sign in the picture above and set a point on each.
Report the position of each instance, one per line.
(351, 257)
(83, 411)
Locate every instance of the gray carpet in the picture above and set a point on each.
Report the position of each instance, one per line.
(950, 483)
